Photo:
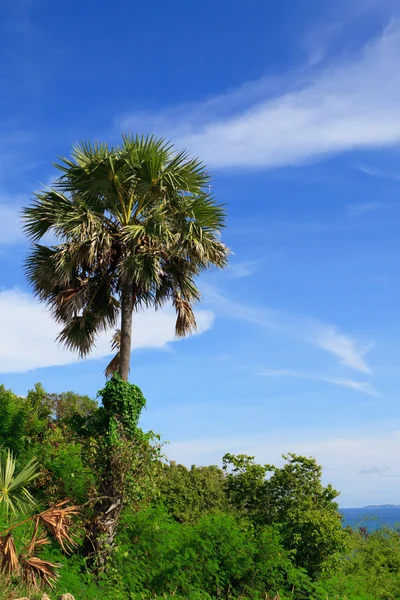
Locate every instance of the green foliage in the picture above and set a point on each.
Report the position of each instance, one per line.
(313, 527)
(13, 419)
(188, 494)
(247, 531)
(67, 405)
(293, 496)
(247, 485)
(123, 457)
(65, 469)
(51, 437)
(369, 570)
(39, 402)
(220, 555)
(123, 401)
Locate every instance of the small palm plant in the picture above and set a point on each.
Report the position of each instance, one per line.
(15, 499)
(14, 494)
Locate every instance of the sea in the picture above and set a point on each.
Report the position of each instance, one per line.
(372, 517)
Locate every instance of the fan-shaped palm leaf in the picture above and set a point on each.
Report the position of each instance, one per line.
(14, 494)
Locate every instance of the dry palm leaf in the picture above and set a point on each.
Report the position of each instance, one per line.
(185, 319)
(38, 540)
(57, 520)
(35, 570)
(113, 365)
(10, 563)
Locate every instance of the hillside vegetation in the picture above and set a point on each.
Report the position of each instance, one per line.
(241, 531)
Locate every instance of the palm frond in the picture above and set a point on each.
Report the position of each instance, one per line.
(146, 152)
(45, 214)
(38, 540)
(80, 332)
(143, 270)
(113, 365)
(185, 319)
(203, 209)
(36, 571)
(9, 558)
(185, 174)
(32, 570)
(14, 494)
(58, 521)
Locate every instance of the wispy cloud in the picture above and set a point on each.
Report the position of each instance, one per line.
(380, 173)
(372, 471)
(244, 268)
(28, 334)
(350, 104)
(358, 210)
(359, 386)
(319, 334)
(341, 345)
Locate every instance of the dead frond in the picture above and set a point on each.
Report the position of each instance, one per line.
(38, 540)
(9, 563)
(36, 571)
(185, 319)
(113, 365)
(58, 520)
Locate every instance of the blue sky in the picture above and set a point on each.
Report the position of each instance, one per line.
(296, 109)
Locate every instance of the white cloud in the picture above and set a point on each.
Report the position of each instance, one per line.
(359, 386)
(353, 103)
(345, 457)
(28, 334)
(319, 334)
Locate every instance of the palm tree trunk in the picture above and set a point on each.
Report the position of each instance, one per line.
(127, 299)
(100, 540)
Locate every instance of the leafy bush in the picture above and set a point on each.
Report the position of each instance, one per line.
(293, 496)
(188, 494)
(14, 413)
(220, 555)
(368, 570)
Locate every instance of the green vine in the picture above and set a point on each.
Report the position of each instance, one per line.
(123, 403)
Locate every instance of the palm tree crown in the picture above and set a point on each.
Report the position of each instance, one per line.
(133, 225)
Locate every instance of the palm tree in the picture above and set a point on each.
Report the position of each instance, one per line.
(133, 227)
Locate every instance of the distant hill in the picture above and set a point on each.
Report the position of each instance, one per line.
(382, 506)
